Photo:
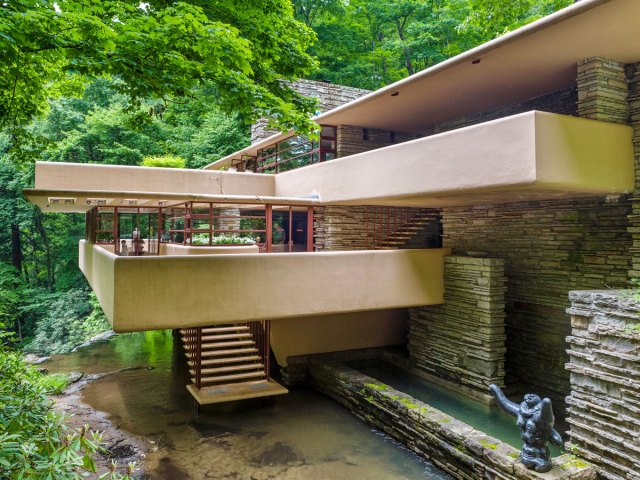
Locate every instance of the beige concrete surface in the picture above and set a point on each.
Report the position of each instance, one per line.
(76, 176)
(333, 333)
(534, 155)
(156, 292)
(98, 265)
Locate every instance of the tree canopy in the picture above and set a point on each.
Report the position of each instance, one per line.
(371, 43)
(167, 50)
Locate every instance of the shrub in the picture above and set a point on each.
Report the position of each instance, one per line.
(35, 443)
(165, 161)
(203, 239)
(53, 384)
(69, 319)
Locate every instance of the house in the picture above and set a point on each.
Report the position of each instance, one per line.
(456, 208)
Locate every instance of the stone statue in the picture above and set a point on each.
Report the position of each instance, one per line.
(535, 420)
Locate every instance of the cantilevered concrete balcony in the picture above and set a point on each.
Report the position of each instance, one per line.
(177, 291)
(531, 156)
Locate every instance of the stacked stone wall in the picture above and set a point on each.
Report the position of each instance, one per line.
(463, 340)
(602, 90)
(549, 248)
(352, 227)
(329, 96)
(352, 139)
(633, 73)
(604, 404)
(452, 445)
(562, 102)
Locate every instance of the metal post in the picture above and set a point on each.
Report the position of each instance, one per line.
(269, 220)
(309, 229)
(290, 242)
(198, 361)
(267, 347)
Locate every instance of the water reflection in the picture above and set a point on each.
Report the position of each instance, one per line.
(299, 435)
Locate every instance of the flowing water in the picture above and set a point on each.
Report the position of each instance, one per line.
(302, 435)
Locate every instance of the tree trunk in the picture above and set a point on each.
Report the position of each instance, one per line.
(47, 249)
(16, 247)
(407, 54)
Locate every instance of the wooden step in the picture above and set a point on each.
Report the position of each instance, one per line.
(220, 353)
(227, 336)
(233, 368)
(242, 328)
(236, 391)
(221, 329)
(239, 343)
(230, 378)
(223, 360)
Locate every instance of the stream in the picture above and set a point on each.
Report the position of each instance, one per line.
(301, 435)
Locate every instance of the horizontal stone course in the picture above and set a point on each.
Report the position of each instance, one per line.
(463, 340)
(453, 446)
(549, 248)
(329, 96)
(604, 361)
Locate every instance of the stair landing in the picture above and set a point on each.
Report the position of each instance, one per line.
(236, 391)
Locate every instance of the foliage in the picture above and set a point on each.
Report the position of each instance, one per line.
(156, 49)
(203, 239)
(164, 161)
(69, 320)
(101, 127)
(53, 384)
(35, 442)
(371, 43)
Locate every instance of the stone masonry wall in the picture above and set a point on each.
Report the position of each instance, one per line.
(463, 340)
(604, 404)
(549, 248)
(562, 102)
(352, 227)
(633, 73)
(602, 90)
(329, 96)
(352, 140)
(452, 445)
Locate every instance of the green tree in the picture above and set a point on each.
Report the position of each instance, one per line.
(157, 49)
(371, 43)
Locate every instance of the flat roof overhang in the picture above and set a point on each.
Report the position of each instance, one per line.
(536, 59)
(530, 156)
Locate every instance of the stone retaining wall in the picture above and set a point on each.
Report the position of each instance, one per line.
(604, 405)
(549, 248)
(453, 446)
(463, 340)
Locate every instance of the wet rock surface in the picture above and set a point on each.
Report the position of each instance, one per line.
(119, 446)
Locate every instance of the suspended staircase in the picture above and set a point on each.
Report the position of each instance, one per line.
(400, 232)
(229, 362)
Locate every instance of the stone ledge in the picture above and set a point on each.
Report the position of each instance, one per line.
(452, 445)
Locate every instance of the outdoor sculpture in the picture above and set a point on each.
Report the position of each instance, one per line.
(535, 420)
